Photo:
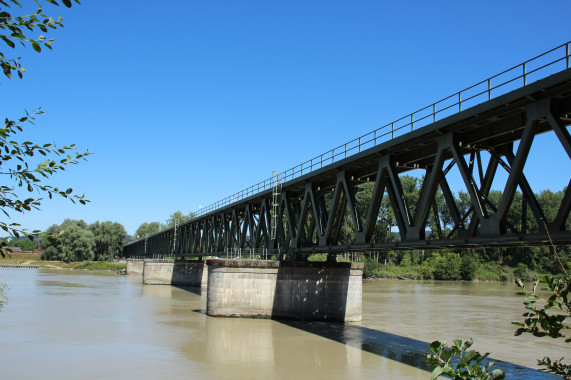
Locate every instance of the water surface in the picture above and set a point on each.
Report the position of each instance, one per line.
(61, 324)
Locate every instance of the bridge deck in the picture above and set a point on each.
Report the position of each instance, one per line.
(312, 206)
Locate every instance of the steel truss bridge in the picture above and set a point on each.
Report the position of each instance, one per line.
(478, 132)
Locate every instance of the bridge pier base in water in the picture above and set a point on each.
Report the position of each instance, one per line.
(285, 290)
(182, 273)
(135, 266)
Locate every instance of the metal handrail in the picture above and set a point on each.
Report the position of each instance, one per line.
(406, 123)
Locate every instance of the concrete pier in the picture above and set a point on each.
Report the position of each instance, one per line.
(182, 273)
(135, 266)
(274, 289)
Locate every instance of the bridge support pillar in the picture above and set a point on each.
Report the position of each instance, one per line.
(134, 266)
(285, 290)
(182, 273)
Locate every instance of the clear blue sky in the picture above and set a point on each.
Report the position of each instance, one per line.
(185, 102)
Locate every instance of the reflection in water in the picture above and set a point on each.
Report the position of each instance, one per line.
(71, 325)
(233, 340)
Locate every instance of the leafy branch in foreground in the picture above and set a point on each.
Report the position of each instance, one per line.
(547, 317)
(13, 154)
(3, 297)
(12, 30)
(458, 363)
(14, 158)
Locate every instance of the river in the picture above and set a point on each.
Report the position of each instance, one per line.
(65, 324)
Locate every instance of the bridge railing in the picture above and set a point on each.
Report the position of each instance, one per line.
(541, 66)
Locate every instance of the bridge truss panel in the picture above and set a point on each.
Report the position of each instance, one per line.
(315, 213)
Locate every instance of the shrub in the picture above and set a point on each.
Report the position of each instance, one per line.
(372, 267)
(447, 267)
(405, 262)
(522, 272)
(468, 268)
(100, 265)
(317, 257)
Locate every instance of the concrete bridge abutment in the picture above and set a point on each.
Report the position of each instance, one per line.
(328, 291)
(134, 266)
(181, 273)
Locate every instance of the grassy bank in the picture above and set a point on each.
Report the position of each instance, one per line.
(34, 259)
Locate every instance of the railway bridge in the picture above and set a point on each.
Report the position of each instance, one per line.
(474, 134)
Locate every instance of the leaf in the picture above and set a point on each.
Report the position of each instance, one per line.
(8, 42)
(436, 372)
(67, 3)
(471, 355)
(36, 46)
(497, 374)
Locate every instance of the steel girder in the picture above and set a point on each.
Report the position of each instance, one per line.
(315, 209)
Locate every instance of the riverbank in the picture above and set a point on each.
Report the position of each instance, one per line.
(451, 268)
(34, 261)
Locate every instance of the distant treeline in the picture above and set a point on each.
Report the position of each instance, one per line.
(75, 240)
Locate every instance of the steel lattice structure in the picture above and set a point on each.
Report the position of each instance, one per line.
(478, 143)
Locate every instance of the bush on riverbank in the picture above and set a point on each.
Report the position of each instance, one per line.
(447, 267)
(100, 265)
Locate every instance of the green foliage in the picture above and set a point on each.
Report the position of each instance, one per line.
(492, 271)
(15, 156)
(3, 297)
(14, 166)
(177, 217)
(446, 267)
(77, 244)
(147, 229)
(522, 272)
(13, 29)
(371, 267)
(75, 240)
(546, 317)
(100, 265)
(321, 257)
(25, 244)
(468, 266)
(109, 239)
(458, 363)
(405, 261)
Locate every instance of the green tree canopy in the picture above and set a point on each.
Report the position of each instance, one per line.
(25, 244)
(109, 239)
(147, 229)
(75, 240)
(77, 244)
(177, 216)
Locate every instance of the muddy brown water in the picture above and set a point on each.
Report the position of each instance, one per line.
(63, 324)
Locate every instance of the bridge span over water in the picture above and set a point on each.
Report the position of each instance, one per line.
(486, 129)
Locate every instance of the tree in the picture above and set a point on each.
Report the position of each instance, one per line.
(25, 244)
(147, 229)
(109, 238)
(15, 158)
(75, 240)
(50, 244)
(177, 216)
(77, 244)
